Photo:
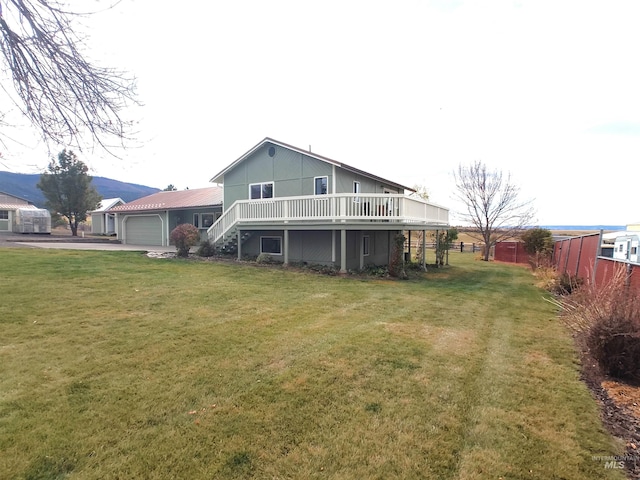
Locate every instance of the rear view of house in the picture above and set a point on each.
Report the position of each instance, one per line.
(298, 206)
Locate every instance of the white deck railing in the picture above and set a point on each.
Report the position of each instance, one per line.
(342, 207)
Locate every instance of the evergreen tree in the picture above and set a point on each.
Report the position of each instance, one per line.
(68, 190)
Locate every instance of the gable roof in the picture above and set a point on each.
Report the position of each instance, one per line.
(219, 176)
(9, 201)
(174, 200)
(107, 204)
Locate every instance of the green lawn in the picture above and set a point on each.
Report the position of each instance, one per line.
(114, 365)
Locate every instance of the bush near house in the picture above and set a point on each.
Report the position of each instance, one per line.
(184, 236)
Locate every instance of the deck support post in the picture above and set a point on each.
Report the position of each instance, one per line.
(286, 246)
(239, 244)
(343, 251)
(424, 250)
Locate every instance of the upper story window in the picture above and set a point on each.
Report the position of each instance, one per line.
(261, 190)
(356, 189)
(321, 185)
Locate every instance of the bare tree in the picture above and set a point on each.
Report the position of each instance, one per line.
(492, 203)
(61, 93)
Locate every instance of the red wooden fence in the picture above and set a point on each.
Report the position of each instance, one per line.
(512, 252)
(579, 257)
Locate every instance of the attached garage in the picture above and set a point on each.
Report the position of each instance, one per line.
(142, 230)
(148, 221)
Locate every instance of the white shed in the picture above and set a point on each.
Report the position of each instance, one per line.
(103, 222)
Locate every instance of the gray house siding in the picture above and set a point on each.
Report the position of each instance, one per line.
(292, 174)
(315, 246)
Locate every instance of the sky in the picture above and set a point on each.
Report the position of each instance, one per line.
(545, 91)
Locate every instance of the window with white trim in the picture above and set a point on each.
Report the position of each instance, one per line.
(356, 189)
(203, 220)
(4, 214)
(321, 185)
(366, 244)
(260, 190)
(271, 245)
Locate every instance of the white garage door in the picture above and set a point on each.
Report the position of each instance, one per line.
(145, 230)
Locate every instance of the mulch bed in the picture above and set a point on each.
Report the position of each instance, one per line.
(619, 410)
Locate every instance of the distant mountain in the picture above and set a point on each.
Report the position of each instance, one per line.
(23, 185)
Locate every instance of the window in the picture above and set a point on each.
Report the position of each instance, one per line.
(272, 245)
(321, 185)
(366, 242)
(207, 220)
(4, 214)
(634, 250)
(261, 190)
(356, 189)
(203, 220)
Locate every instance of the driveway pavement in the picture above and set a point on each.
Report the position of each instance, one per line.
(64, 242)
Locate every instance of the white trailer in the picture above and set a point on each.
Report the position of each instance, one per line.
(626, 248)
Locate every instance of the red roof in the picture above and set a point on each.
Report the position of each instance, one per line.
(173, 200)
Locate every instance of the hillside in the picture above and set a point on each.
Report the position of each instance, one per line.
(23, 185)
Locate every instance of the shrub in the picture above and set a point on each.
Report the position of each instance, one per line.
(206, 249)
(614, 340)
(606, 321)
(264, 258)
(396, 262)
(184, 236)
(567, 284)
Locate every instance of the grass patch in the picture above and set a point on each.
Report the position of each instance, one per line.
(114, 365)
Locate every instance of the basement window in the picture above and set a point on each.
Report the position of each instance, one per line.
(271, 245)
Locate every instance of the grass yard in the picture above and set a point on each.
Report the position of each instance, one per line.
(114, 365)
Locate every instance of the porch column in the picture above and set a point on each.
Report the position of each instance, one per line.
(343, 251)
(166, 241)
(333, 246)
(286, 246)
(361, 249)
(239, 244)
(409, 246)
(424, 249)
